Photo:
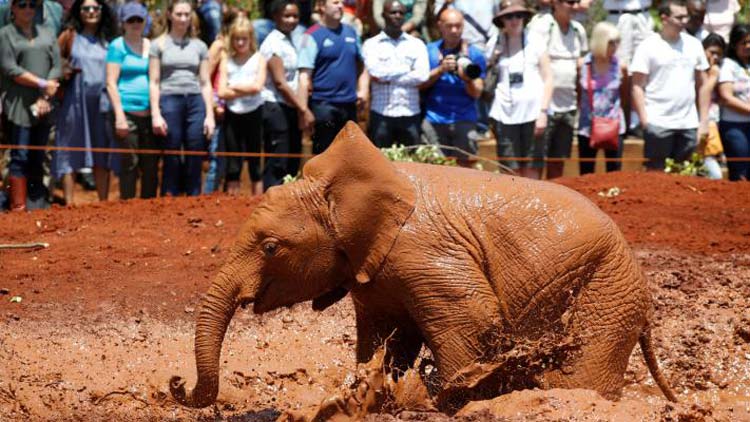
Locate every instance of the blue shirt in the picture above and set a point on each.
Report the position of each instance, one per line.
(332, 55)
(133, 82)
(447, 101)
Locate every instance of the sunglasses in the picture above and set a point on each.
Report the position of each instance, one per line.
(572, 2)
(91, 9)
(515, 15)
(134, 20)
(26, 4)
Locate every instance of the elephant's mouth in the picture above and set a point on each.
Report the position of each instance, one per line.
(329, 298)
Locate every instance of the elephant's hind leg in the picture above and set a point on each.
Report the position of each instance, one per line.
(605, 321)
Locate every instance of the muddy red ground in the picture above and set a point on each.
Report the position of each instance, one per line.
(106, 313)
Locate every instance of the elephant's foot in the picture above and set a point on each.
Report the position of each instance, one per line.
(374, 390)
(518, 365)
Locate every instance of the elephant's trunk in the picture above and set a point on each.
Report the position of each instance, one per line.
(217, 310)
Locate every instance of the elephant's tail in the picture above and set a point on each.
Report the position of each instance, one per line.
(647, 348)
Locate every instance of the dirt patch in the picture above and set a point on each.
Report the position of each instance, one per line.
(106, 314)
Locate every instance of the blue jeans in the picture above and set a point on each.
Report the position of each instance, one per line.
(216, 164)
(29, 163)
(184, 115)
(735, 138)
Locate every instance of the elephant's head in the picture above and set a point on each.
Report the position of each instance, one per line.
(313, 239)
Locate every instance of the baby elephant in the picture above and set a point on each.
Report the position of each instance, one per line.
(468, 263)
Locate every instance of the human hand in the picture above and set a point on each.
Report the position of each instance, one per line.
(121, 127)
(159, 125)
(363, 96)
(43, 107)
(208, 126)
(51, 88)
(448, 64)
(307, 121)
(540, 124)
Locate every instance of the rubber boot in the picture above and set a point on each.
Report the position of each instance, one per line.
(17, 193)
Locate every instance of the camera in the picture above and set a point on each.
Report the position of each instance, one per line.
(515, 78)
(471, 69)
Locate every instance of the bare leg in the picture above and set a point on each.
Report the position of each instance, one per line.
(233, 187)
(101, 177)
(257, 188)
(68, 184)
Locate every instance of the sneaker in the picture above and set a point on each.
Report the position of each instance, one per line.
(86, 180)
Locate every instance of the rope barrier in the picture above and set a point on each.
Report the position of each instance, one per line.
(493, 160)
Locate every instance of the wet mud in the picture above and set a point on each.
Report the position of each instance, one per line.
(94, 326)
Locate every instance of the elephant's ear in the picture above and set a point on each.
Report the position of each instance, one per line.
(369, 200)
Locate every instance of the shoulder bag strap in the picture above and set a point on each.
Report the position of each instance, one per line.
(590, 84)
(477, 26)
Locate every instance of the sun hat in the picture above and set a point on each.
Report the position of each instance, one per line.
(132, 9)
(510, 6)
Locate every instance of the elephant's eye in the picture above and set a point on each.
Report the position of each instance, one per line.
(269, 248)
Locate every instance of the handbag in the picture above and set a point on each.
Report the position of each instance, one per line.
(605, 131)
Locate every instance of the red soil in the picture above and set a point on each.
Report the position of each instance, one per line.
(107, 313)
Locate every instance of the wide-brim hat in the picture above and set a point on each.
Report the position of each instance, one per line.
(510, 6)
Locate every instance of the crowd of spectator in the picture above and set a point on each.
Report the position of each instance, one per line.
(102, 74)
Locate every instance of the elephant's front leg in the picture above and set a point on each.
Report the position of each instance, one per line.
(400, 335)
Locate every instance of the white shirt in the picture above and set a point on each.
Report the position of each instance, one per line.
(482, 11)
(620, 5)
(720, 16)
(278, 44)
(401, 65)
(519, 102)
(670, 86)
(564, 51)
(739, 76)
(241, 74)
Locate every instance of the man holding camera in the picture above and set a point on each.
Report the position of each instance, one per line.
(398, 64)
(455, 83)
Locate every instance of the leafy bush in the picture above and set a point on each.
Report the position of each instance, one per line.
(429, 154)
(693, 167)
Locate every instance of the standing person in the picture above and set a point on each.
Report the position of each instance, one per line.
(128, 89)
(523, 92)
(49, 14)
(329, 58)
(709, 147)
(280, 111)
(242, 75)
(414, 18)
(451, 91)
(210, 13)
(664, 65)
(181, 99)
(216, 162)
(30, 66)
(397, 64)
(734, 91)
(696, 15)
(633, 21)
(81, 121)
(720, 16)
(603, 72)
(566, 43)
